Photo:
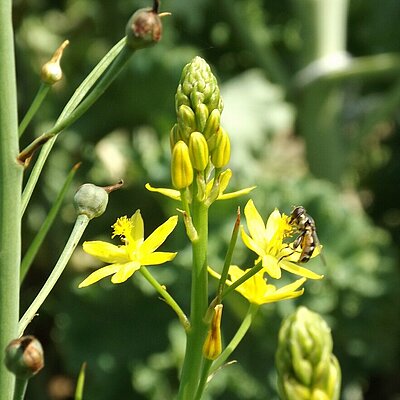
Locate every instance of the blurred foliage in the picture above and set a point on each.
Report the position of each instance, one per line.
(127, 336)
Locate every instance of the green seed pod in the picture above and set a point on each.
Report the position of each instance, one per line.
(212, 125)
(181, 167)
(198, 151)
(51, 71)
(221, 153)
(91, 200)
(144, 29)
(307, 369)
(24, 357)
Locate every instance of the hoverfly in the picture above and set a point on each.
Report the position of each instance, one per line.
(307, 239)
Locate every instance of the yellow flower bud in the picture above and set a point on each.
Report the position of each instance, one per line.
(201, 116)
(213, 344)
(212, 124)
(221, 152)
(181, 167)
(198, 151)
(51, 71)
(186, 122)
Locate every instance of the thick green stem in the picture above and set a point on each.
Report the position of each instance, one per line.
(79, 227)
(320, 105)
(199, 300)
(10, 196)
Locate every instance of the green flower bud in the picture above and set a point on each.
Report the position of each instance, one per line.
(201, 116)
(174, 137)
(91, 200)
(144, 29)
(307, 369)
(198, 151)
(186, 122)
(198, 86)
(51, 71)
(181, 167)
(221, 148)
(24, 357)
(213, 123)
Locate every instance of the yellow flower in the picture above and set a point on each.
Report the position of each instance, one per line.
(225, 178)
(126, 259)
(257, 291)
(267, 240)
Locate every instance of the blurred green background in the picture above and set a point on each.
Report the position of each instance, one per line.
(311, 91)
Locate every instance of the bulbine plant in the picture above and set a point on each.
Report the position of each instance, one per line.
(200, 154)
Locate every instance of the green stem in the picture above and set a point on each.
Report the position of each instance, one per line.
(199, 297)
(20, 388)
(203, 379)
(38, 240)
(242, 279)
(10, 196)
(80, 225)
(167, 297)
(244, 327)
(74, 101)
(37, 101)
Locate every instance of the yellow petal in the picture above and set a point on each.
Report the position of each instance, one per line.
(158, 236)
(125, 272)
(137, 231)
(232, 195)
(106, 252)
(171, 193)
(270, 264)
(250, 243)
(255, 223)
(292, 286)
(273, 225)
(225, 177)
(157, 258)
(297, 270)
(100, 274)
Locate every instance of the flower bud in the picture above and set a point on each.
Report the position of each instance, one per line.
(201, 116)
(91, 200)
(212, 125)
(24, 357)
(51, 71)
(306, 367)
(181, 167)
(198, 86)
(213, 344)
(186, 122)
(174, 137)
(198, 151)
(144, 29)
(221, 148)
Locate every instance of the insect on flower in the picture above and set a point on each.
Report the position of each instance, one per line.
(307, 240)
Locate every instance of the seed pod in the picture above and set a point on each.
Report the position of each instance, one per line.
(51, 71)
(91, 200)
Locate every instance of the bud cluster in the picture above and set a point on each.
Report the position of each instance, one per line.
(307, 369)
(197, 138)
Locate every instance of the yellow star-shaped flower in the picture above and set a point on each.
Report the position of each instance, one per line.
(126, 259)
(267, 240)
(224, 181)
(257, 291)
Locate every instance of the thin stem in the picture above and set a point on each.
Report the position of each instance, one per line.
(203, 379)
(228, 257)
(38, 240)
(36, 103)
(10, 196)
(241, 332)
(20, 388)
(242, 279)
(167, 297)
(81, 223)
(76, 98)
